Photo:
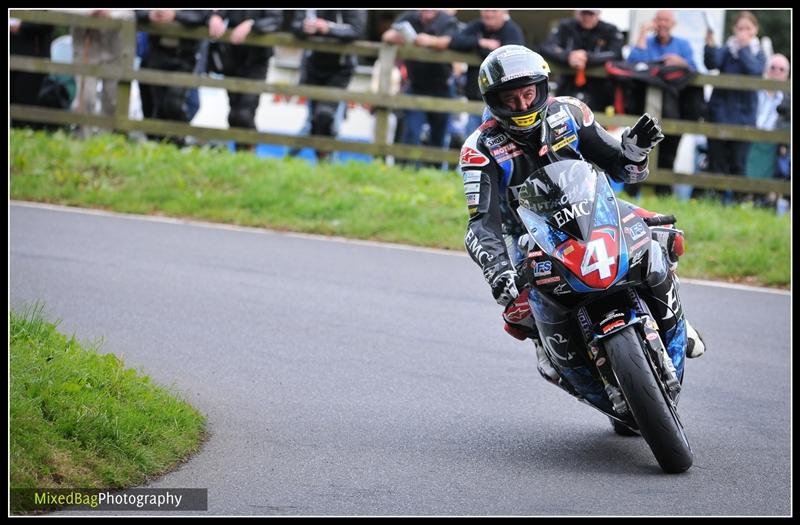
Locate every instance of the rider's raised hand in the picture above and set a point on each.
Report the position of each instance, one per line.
(641, 138)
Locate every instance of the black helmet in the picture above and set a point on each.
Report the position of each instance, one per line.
(511, 67)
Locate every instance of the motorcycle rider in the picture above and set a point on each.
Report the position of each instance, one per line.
(525, 130)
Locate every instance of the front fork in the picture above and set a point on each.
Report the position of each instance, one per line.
(573, 353)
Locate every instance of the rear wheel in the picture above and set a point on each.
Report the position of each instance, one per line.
(651, 408)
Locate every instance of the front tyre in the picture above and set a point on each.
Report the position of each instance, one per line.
(650, 406)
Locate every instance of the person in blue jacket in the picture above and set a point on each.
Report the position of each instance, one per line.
(741, 55)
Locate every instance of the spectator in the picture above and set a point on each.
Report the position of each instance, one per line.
(97, 47)
(328, 69)
(687, 104)
(773, 113)
(482, 36)
(169, 54)
(238, 60)
(28, 39)
(581, 42)
(741, 55)
(425, 28)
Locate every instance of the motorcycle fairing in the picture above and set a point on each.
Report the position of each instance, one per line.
(562, 204)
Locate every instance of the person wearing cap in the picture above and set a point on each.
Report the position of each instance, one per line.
(579, 43)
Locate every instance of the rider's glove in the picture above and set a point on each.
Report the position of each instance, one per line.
(639, 140)
(504, 288)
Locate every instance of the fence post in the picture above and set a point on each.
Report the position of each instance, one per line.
(653, 106)
(386, 58)
(128, 38)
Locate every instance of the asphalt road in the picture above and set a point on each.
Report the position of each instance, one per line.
(347, 378)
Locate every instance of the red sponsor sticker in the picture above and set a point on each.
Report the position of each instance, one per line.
(509, 156)
(470, 157)
(548, 280)
(628, 217)
(652, 336)
(607, 328)
(543, 150)
(640, 244)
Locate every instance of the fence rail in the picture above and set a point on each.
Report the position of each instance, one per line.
(382, 102)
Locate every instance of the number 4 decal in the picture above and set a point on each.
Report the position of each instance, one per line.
(596, 250)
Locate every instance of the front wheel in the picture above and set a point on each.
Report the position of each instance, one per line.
(654, 414)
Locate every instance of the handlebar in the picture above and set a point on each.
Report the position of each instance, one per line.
(660, 220)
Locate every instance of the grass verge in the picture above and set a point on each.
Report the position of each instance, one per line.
(358, 200)
(79, 418)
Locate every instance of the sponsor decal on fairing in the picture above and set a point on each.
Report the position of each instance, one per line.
(637, 258)
(640, 244)
(562, 289)
(542, 268)
(578, 209)
(636, 231)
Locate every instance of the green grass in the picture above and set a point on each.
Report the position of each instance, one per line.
(359, 200)
(79, 418)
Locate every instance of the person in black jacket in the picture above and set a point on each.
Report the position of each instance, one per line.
(482, 36)
(328, 69)
(583, 42)
(238, 60)
(28, 39)
(169, 54)
(425, 28)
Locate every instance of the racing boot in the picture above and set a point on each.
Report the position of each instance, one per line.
(521, 325)
(544, 365)
(695, 346)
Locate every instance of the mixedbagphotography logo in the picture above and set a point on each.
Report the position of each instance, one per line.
(47, 500)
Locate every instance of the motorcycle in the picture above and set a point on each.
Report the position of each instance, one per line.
(589, 260)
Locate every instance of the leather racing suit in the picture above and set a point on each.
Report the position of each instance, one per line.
(494, 166)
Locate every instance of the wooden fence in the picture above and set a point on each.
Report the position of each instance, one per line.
(383, 101)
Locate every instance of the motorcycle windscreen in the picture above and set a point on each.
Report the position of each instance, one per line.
(569, 209)
(563, 195)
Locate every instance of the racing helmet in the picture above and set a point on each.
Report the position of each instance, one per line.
(511, 67)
